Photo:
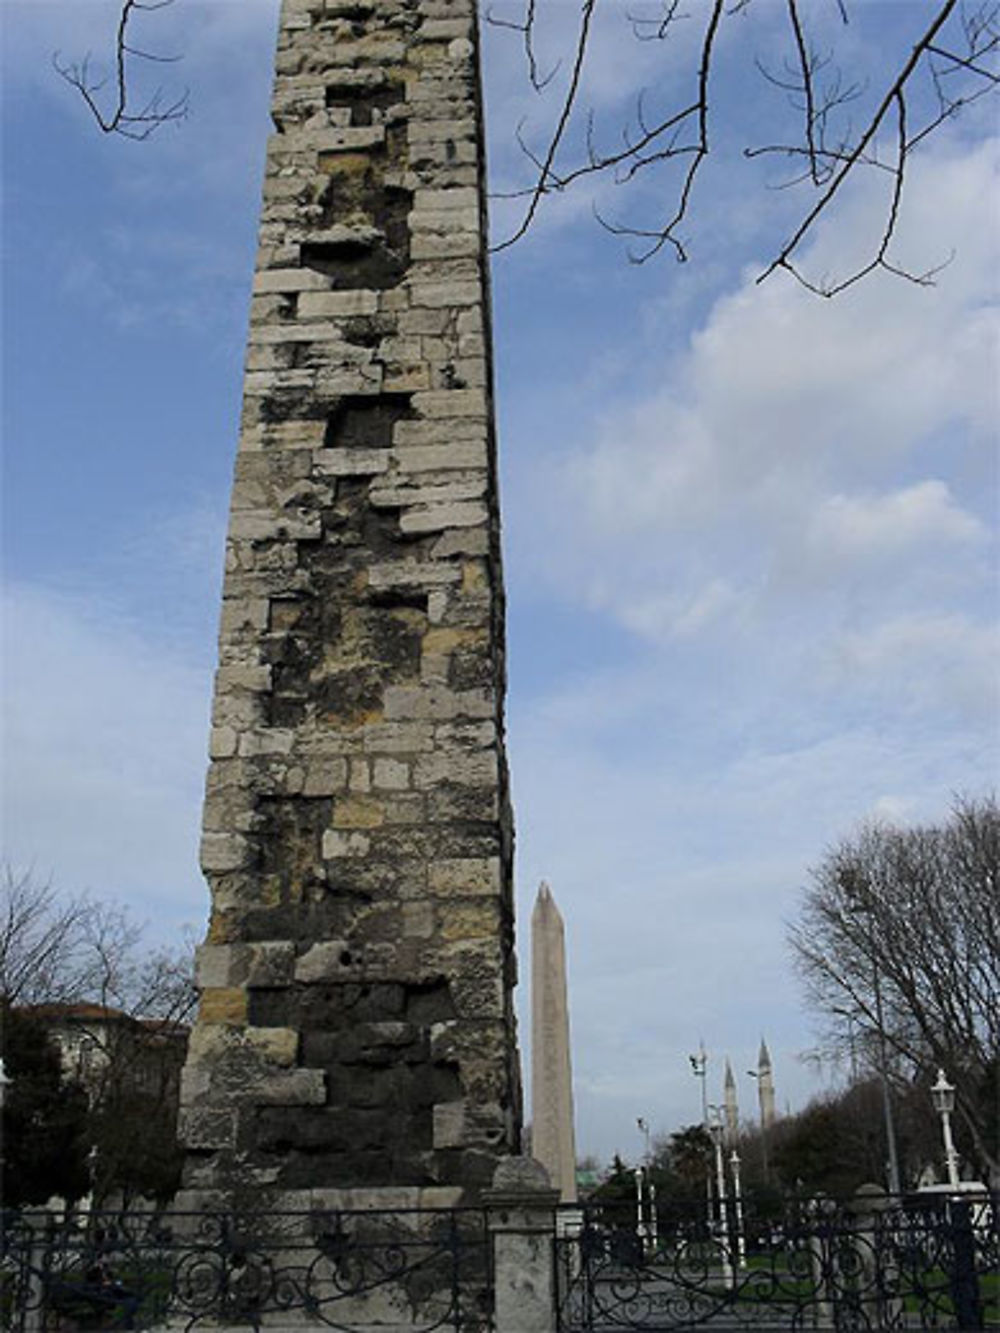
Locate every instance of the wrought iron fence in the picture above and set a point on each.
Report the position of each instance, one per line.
(413, 1270)
(870, 1263)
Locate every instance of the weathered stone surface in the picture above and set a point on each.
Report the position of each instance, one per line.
(356, 1026)
(522, 1221)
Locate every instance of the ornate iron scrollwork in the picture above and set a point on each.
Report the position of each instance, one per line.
(349, 1271)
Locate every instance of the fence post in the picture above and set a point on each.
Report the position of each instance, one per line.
(39, 1246)
(821, 1261)
(875, 1254)
(521, 1211)
(964, 1278)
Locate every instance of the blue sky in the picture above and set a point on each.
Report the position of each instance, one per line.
(750, 536)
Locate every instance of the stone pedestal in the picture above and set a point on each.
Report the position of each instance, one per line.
(521, 1214)
(356, 1028)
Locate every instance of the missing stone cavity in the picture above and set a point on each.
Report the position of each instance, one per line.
(429, 1002)
(374, 252)
(364, 103)
(359, 422)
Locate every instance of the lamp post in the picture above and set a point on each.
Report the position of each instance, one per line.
(860, 906)
(943, 1096)
(650, 1188)
(741, 1240)
(716, 1129)
(640, 1211)
(644, 1131)
(895, 1187)
(643, 1191)
(699, 1068)
(848, 1016)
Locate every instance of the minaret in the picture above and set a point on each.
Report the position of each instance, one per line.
(356, 1023)
(730, 1106)
(765, 1086)
(552, 1138)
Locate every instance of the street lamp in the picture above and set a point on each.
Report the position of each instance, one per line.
(640, 1212)
(644, 1131)
(644, 1183)
(699, 1067)
(857, 904)
(741, 1242)
(716, 1129)
(943, 1096)
(849, 1015)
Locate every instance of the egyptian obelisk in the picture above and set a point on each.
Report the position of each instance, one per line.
(553, 1141)
(356, 1029)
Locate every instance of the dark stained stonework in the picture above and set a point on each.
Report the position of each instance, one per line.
(356, 1027)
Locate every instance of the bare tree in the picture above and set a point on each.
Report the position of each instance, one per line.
(122, 113)
(41, 937)
(119, 1013)
(56, 950)
(117, 972)
(898, 940)
(949, 63)
(136, 1038)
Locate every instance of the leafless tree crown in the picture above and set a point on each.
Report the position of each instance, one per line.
(903, 925)
(111, 97)
(56, 950)
(952, 62)
(39, 940)
(80, 967)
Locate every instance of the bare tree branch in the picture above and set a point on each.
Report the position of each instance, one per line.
(121, 118)
(894, 97)
(666, 234)
(546, 178)
(953, 62)
(527, 29)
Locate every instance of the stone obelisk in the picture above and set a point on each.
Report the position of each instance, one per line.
(356, 1028)
(552, 1136)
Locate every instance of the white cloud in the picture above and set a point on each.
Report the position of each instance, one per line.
(873, 528)
(663, 616)
(924, 662)
(891, 809)
(823, 458)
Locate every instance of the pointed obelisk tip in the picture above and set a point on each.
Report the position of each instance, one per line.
(543, 899)
(764, 1056)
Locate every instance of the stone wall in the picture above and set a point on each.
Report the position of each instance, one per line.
(356, 1025)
